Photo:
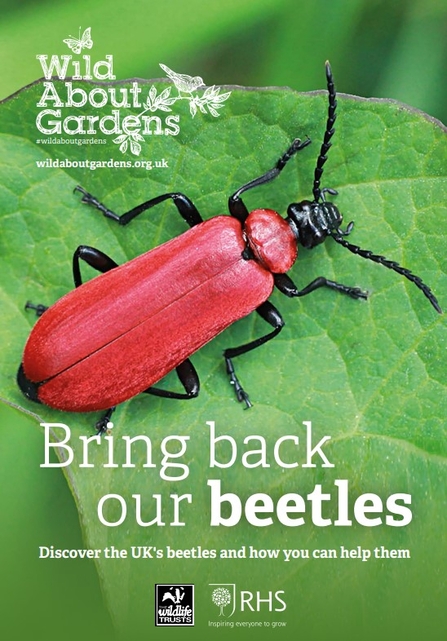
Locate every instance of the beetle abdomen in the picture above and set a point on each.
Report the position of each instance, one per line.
(108, 340)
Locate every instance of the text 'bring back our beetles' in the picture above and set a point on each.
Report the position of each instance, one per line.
(190, 289)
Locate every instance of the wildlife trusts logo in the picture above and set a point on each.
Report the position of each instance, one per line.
(174, 604)
(151, 108)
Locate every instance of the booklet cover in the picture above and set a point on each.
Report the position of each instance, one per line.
(300, 487)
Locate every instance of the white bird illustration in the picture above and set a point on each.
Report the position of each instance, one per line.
(182, 81)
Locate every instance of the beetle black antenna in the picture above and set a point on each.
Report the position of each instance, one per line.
(326, 144)
(390, 264)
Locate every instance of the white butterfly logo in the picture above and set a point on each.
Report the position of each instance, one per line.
(83, 42)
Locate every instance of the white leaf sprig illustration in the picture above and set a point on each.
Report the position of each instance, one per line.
(210, 101)
(131, 141)
(162, 101)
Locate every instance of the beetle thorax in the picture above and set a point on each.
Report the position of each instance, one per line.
(271, 239)
(312, 222)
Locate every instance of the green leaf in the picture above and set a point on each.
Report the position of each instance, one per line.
(369, 374)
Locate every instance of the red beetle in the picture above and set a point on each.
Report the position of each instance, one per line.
(106, 341)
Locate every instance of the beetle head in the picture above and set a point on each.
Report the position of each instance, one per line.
(312, 222)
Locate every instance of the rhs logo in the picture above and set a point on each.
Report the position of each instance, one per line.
(224, 597)
(61, 106)
(227, 599)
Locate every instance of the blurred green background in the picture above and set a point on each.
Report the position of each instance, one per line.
(376, 47)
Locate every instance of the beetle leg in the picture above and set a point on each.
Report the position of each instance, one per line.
(189, 379)
(241, 394)
(288, 287)
(272, 316)
(235, 204)
(93, 257)
(102, 426)
(185, 207)
(39, 309)
(28, 387)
